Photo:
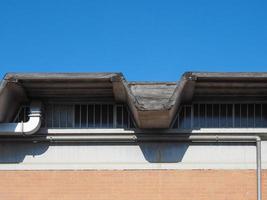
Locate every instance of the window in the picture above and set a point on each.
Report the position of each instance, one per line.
(221, 116)
(22, 115)
(87, 116)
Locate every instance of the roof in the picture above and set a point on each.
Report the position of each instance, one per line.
(153, 104)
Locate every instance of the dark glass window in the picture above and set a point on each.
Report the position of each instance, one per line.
(221, 116)
(87, 116)
(22, 115)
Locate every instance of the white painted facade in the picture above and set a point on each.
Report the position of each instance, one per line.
(83, 156)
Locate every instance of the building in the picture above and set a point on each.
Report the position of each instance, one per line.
(97, 136)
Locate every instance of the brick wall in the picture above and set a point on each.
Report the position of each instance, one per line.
(127, 185)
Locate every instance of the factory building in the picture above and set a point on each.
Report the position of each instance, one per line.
(98, 136)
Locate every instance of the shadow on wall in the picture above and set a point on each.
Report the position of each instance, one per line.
(158, 152)
(9, 154)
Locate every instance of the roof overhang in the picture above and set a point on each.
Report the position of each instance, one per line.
(153, 104)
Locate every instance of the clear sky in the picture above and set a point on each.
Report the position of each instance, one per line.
(146, 39)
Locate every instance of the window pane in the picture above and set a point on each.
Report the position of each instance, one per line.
(83, 116)
(63, 116)
(215, 122)
(77, 116)
(126, 118)
(181, 118)
(264, 115)
(196, 116)
(244, 115)
(110, 116)
(56, 115)
(202, 115)
(221, 116)
(258, 114)
(237, 117)
(229, 116)
(86, 116)
(91, 116)
(97, 116)
(209, 117)
(69, 111)
(104, 116)
(119, 117)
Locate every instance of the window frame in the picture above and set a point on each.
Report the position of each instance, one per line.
(176, 120)
(114, 108)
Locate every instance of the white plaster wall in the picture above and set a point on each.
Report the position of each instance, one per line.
(28, 156)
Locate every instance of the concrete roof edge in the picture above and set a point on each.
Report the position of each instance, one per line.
(62, 76)
(231, 75)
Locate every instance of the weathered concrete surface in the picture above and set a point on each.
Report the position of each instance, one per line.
(153, 96)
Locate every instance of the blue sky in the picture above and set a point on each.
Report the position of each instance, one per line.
(146, 40)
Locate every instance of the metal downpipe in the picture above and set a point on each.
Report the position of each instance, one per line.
(132, 138)
(255, 139)
(24, 128)
(259, 182)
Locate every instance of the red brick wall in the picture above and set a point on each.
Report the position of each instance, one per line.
(127, 185)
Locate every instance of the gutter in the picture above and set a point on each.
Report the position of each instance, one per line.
(24, 128)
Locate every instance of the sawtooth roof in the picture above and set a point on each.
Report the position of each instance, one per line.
(153, 104)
